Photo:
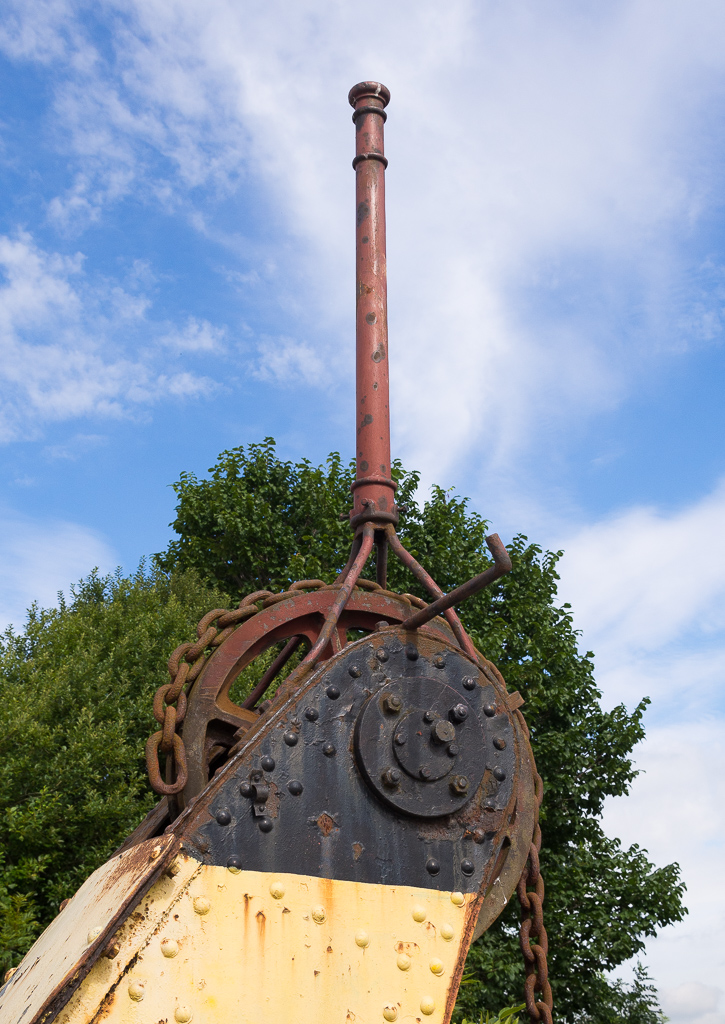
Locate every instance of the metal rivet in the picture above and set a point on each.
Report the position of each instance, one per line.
(333, 692)
(429, 716)
(245, 788)
(457, 899)
(499, 774)
(446, 932)
(223, 817)
(400, 738)
(499, 743)
(392, 702)
(234, 864)
(319, 916)
(489, 710)
(93, 934)
(436, 966)
(362, 939)
(411, 652)
(432, 866)
(355, 671)
(469, 683)
(312, 714)
(383, 624)
(459, 712)
(467, 867)
(265, 824)
(155, 853)
(391, 777)
(419, 913)
(390, 1012)
(201, 905)
(479, 836)
(425, 772)
(453, 749)
(276, 890)
(381, 654)
(404, 962)
(182, 1014)
(439, 661)
(328, 749)
(136, 991)
(268, 763)
(427, 1005)
(290, 738)
(295, 787)
(169, 947)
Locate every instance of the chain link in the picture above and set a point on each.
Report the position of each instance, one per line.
(530, 891)
(187, 661)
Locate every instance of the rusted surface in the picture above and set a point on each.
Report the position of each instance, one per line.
(58, 961)
(373, 489)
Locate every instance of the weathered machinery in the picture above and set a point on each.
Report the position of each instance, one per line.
(329, 852)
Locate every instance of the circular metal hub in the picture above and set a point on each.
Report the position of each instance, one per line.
(426, 728)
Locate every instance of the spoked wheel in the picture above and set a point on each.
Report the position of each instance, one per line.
(214, 723)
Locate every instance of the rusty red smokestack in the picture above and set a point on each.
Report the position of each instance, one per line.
(373, 489)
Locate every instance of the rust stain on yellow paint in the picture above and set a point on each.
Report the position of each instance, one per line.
(273, 947)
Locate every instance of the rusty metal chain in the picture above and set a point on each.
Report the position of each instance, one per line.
(187, 661)
(530, 891)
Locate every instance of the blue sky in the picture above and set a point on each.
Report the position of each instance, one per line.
(176, 277)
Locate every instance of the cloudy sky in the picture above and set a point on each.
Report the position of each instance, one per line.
(176, 277)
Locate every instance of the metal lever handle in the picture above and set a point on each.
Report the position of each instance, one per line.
(501, 565)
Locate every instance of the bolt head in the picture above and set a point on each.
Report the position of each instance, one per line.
(439, 661)
(391, 777)
(469, 683)
(429, 716)
(453, 749)
(400, 738)
(459, 712)
(425, 772)
(443, 731)
(392, 702)
(459, 784)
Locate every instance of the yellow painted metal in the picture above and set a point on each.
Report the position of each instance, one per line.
(81, 931)
(246, 947)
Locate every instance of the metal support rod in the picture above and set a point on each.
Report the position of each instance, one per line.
(277, 665)
(381, 559)
(501, 565)
(373, 489)
(464, 641)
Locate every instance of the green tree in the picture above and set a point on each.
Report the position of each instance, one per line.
(75, 709)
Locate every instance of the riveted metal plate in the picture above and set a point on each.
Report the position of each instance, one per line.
(322, 816)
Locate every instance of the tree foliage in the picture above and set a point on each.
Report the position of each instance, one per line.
(75, 700)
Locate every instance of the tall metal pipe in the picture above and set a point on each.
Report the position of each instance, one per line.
(373, 489)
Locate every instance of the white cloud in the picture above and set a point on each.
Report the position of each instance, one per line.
(529, 149)
(38, 558)
(693, 1002)
(64, 350)
(290, 362)
(196, 336)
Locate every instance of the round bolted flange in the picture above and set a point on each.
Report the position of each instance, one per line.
(419, 738)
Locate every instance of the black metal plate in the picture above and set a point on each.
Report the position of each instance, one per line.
(322, 817)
